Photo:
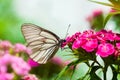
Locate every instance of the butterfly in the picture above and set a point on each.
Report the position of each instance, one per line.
(43, 43)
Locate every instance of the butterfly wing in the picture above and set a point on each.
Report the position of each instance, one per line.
(43, 43)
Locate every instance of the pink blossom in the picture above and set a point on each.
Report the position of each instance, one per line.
(105, 35)
(117, 50)
(30, 77)
(97, 12)
(6, 76)
(20, 66)
(118, 45)
(32, 63)
(90, 45)
(21, 48)
(5, 45)
(78, 43)
(57, 60)
(88, 34)
(6, 59)
(71, 39)
(105, 49)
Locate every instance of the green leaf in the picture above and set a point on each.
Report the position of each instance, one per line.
(61, 73)
(109, 16)
(93, 74)
(114, 73)
(106, 4)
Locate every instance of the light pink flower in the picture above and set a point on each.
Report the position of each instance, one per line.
(30, 77)
(5, 45)
(105, 49)
(19, 48)
(20, 66)
(6, 76)
(57, 60)
(6, 59)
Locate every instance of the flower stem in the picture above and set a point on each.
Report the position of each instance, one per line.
(104, 72)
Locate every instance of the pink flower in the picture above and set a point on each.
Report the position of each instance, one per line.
(97, 13)
(57, 60)
(71, 39)
(105, 35)
(20, 66)
(21, 48)
(78, 43)
(117, 50)
(5, 59)
(105, 49)
(6, 76)
(118, 45)
(30, 77)
(32, 63)
(5, 45)
(90, 45)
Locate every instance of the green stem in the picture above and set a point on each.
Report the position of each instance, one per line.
(90, 67)
(104, 72)
(74, 67)
(61, 73)
(66, 68)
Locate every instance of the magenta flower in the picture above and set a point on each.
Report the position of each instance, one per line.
(105, 35)
(32, 63)
(88, 34)
(90, 45)
(105, 49)
(20, 66)
(78, 43)
(97, 13)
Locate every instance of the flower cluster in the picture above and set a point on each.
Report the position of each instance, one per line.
(104, 43)
(11, 64)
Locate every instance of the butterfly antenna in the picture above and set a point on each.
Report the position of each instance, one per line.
(67, 30)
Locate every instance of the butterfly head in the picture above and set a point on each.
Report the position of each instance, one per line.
(62, 41)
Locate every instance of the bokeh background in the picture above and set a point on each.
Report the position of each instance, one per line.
(54, 15)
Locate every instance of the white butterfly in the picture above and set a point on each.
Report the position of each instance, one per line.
(43, 43)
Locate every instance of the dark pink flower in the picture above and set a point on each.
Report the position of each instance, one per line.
(117, 50)
(88, 34)
(105, 35)
(78, 43)
(32, 63)
(90, 45)
(97, 12)
(105, 49)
